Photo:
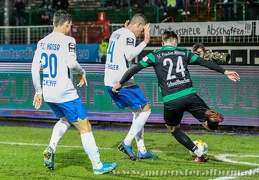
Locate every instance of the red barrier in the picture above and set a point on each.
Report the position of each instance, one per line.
(91, 32)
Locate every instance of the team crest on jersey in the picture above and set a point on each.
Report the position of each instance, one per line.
(130, 41)
(72, 47)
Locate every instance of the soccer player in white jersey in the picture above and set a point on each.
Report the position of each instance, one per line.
(121, 51)
(56, 55)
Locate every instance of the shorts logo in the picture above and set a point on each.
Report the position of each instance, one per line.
(71, 47)
(130, 41)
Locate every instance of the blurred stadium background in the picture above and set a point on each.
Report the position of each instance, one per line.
(93, 20)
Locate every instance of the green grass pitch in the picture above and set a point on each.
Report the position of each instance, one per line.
(231, 156)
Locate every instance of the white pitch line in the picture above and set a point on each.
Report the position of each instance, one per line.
(33, 144)
(64, 146)
(250, 172)
(221, 157)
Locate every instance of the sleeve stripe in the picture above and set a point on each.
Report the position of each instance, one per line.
(193, 59)
(143, 63)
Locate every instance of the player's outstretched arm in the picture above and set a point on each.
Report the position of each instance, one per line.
(232, 75)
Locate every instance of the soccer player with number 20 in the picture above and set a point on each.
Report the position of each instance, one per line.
(56, 55)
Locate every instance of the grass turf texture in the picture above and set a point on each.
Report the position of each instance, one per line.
(22, 148)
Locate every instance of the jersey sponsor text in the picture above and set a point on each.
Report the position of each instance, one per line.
(54, 47)
(177, 82)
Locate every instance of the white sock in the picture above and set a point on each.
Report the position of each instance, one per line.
(136, 126)
(197, 151)
(140, 136)
(57, 133)
(135, 115)
(91, 149)
(140, 141)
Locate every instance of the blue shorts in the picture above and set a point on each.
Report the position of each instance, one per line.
(131, 96)
(72, 110)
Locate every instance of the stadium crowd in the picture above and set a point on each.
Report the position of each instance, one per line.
(167, 11)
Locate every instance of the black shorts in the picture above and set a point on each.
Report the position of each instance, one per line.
(174, 110)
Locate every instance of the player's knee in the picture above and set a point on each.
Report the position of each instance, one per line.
(173, 129)
(146, 108)
(83, 125)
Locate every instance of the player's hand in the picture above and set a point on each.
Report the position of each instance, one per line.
(37, 101)
(82, 80)
(147, 33)
(232, 75)
(126, 23)
(116, 88)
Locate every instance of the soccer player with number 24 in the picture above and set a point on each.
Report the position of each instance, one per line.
(171, 68)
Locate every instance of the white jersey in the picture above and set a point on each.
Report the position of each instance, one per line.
(56, 55)
(120, 52)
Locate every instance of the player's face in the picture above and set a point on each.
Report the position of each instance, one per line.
(200, 52)
(139, 30)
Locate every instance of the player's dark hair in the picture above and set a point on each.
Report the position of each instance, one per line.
(60, 17)
(198, 45)
(139, 18)
(167, 35)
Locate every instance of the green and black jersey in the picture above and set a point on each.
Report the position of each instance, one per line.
(171, 67)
